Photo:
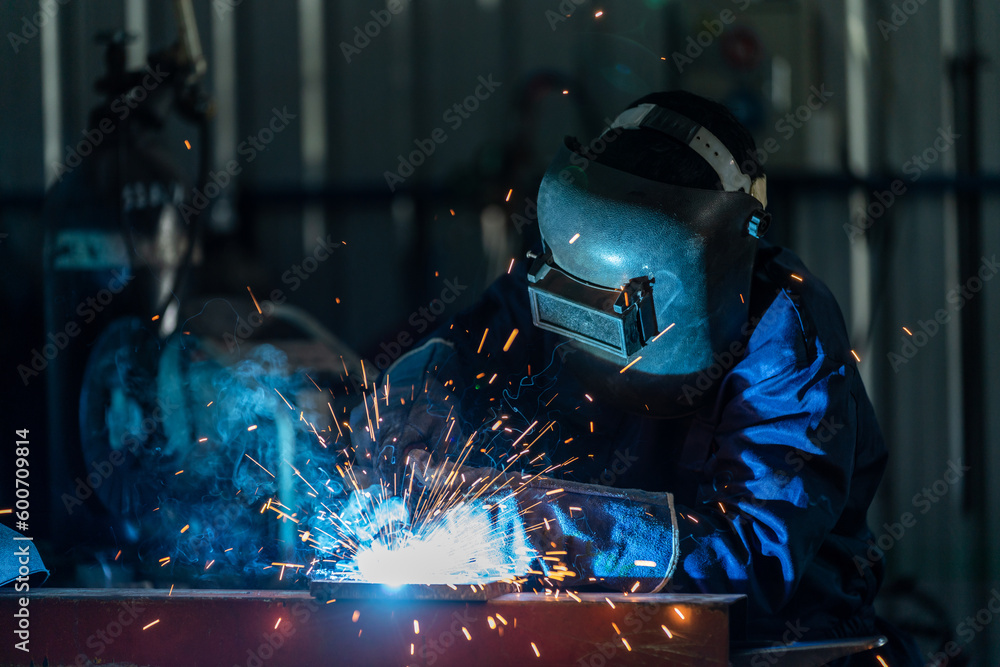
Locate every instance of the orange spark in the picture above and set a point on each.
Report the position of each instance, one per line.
(513, 335)
(575, 237)
(254, 300)
(630, 364)
(151, 624)
(261, 467)
(663, 332)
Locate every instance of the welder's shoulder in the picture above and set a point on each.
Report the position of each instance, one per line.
(795, 317)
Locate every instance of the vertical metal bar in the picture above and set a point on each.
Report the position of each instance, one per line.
(223, 73)
(137, 24)
(952, 261)
(420, 30)
(859, 162)
(313, 138)
(51, 97)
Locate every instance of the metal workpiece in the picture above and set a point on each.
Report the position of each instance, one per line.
(334, 589)
(194, 628)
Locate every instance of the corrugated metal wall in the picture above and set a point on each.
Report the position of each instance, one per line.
(888, 65)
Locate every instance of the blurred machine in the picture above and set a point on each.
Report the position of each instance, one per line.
(169, 413)
(116, 244)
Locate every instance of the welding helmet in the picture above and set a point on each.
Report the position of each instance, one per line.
(648, 281)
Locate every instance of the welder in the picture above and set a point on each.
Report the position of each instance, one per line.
(675, 353)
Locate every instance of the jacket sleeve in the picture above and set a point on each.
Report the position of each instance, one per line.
(776, 483)
(780, 469)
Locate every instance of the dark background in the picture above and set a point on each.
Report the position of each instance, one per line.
(898, 73)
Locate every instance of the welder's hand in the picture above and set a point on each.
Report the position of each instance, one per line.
(383, 437)
(582, 533)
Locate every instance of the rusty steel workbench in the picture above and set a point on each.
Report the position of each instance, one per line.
(219, 628)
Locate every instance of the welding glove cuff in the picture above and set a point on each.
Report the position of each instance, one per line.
(621, 539)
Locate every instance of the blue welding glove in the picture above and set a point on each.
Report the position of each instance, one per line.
(621, 539)
(19, 560)
(416, 410)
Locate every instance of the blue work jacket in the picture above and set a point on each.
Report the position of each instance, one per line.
(772, 476)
